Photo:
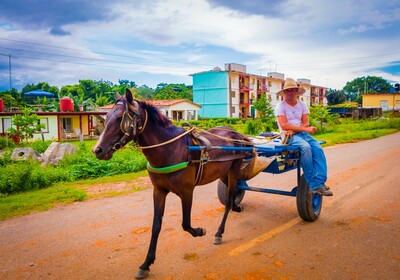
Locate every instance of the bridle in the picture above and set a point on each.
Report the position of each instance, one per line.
(130, 125)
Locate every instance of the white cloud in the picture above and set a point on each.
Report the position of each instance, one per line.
(330, 41)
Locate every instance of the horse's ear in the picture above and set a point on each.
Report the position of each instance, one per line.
(117, 96)
(129, 96)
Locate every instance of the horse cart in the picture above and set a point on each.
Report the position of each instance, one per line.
(286, 158)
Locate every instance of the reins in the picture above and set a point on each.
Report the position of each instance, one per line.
(168, 141)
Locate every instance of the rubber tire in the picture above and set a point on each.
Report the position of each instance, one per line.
(223, 193)
(308, 205)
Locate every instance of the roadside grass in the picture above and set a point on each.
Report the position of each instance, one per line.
(63, 193)
(335, 138)
(39, 200)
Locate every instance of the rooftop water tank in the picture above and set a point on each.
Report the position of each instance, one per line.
(66, 104)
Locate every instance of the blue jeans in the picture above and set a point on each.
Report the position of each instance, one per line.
(312, 159)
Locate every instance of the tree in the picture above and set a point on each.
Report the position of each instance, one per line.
(102, 100)
(145, 93)
(25, 125)
(335, 96)
(361, 85)
(173, 91)
(265, 112)
(321, 114)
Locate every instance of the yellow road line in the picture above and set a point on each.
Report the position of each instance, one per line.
(264, 237)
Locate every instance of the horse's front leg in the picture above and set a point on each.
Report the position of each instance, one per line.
(230, 204)
(159, 197)
(187, 201)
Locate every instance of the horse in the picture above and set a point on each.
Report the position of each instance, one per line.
(172, 167)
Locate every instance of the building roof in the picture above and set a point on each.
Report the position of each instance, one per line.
(160, 103)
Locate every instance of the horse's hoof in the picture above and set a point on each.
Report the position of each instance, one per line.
(142, 274)
(217, 240)
(238, 208)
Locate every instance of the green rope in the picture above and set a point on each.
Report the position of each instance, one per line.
(167, 169)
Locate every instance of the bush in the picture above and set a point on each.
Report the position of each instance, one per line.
(254, 127)
(39, 146)
(5, 158)
(22, 176)
(84, 164)
(6, 143)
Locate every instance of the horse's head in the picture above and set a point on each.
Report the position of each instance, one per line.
(123, 124)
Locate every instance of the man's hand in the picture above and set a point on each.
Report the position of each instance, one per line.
(311, 129)
(290, 132)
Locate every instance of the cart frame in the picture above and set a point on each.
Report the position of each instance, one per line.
(287, 158)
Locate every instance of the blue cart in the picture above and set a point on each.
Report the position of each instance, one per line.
(286, 158)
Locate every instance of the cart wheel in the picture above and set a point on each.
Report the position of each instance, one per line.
(223, 192)
(308, 205)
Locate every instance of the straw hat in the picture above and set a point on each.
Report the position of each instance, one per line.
(290, 83)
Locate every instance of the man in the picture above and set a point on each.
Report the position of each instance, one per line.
(292, 117)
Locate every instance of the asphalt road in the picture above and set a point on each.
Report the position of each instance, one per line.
(357, 235)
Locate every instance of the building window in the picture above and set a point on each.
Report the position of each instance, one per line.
(233, 94)
(6, 124)
(233, 109)
(67, 124)
(44, 121)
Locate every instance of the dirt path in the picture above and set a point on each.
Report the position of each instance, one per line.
(356, 237)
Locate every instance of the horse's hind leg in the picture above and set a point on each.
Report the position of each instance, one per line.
(159, 197)
(187, 200)
(230, 204)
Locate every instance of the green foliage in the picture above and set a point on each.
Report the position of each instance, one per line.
(5, 158)
(254, 127)
(144, 93)
(344, 105)
(25, 125)
(102, 100)
(173, 91)
(335, 97)
(6, 142)
(39, 146)
(8, 99)
(212, 122)
(41, 85)
(22, 176)
(370, 84)
(321, 115)
(38, 200)
(85, 165)
(266, 114)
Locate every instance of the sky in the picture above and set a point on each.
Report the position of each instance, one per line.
(164, 41)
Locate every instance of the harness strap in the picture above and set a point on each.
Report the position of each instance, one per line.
(167, 169)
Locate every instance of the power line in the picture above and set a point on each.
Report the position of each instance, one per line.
(102, 53)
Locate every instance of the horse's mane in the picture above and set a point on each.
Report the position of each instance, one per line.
(155, 114)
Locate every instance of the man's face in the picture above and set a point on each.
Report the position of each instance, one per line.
(290, 93)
